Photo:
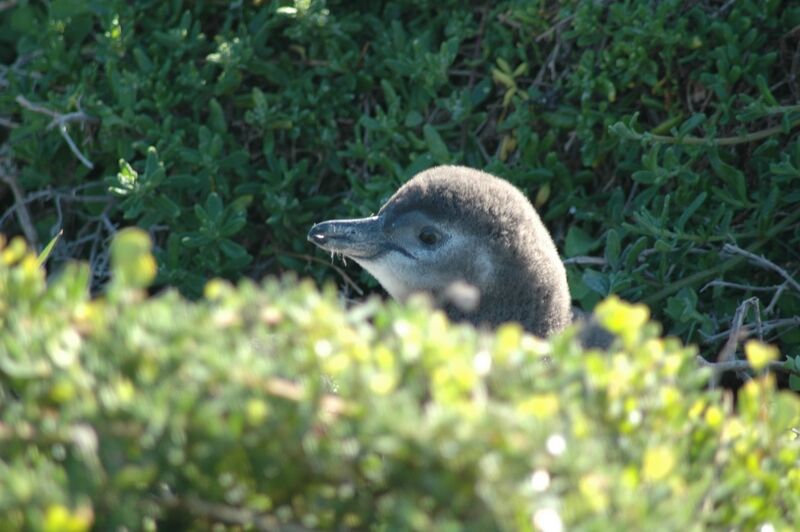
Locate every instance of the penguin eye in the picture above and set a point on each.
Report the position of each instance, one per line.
(428, 236)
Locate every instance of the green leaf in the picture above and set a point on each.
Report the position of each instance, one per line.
(389, 92)
(45, 254)
(561, 119)
(763, 88)
(690, 210)
(436, 145)
(731, 175)
(154, 173)
(596, 281)
(691, 123)
(24, 19)
(126, 180)
(233, 226)
(64, 9)
(632, 252)
(794, 382)
(214, 207)
(613, 245)
(216, 116)
(167, 207)
(579, 242)
(232, 250)
(413, 119)
(142, 61)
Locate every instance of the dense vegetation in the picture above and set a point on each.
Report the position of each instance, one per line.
(650, 135)
(659, 141)
(269, 407)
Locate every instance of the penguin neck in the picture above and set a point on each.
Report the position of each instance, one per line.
(535, 295)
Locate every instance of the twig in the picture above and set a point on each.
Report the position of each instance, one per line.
(482, 149)
(20, 62)
(548, 64)
(99, 256)
(726, 284)
(719, 269)
(61, 121)
(747, 330)
(763, 262)
(10, 124)
(57, 195)
(734, 333)
(230, 515)
(554, 27)
(721, 141)
(775, 298)
(719, 11)
(24, 102)
(599, 261)
(81, 157)
(740, 365)
(9, 175)
(507, 21)
(59, 224)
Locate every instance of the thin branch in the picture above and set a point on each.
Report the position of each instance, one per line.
(58, 195)
(721, 268)
(752, 288)
(27, 104)
(555, 27)
(782, 109)
(549, 64)
(599, 261)
(748, 330)
(81, 157)
(99, 255)
(722, 9)
(771, 307)
(230, 515)
(735, 333)
(721, 141)
(508, 22)
(61, 121)
(761, 261)
(740, 365)
(7, 123)
(9, 175)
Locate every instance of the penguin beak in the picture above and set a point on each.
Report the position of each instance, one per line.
(359, 238)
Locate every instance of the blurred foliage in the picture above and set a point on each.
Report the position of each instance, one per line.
(270, 407)
(649, 134)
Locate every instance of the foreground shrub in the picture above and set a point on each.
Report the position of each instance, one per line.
(271, 406)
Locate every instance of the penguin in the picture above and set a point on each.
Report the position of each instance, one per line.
(470, 240)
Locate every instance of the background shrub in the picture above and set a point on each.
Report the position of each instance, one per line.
(649, 135)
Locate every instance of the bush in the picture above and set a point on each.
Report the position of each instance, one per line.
(270, 407)
(649, 134)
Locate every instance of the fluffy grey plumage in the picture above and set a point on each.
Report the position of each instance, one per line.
(451, 231)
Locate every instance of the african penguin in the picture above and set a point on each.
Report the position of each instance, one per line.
(454, 232)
